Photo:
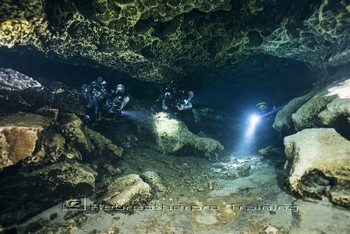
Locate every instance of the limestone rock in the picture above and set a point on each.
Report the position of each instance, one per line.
(35, 139)
(87, 140)
(307, 115)
(283, 121)
(73, 129)
(318, 162)
(127, 190)
(12, 102)
(154, 180)
(55, 95)
(18, 136)
(327, 107)
(51, 113)
(102, 145)
(29, 192)
(23, 93)
(340, 105)
(271, 230)
(173, 136)
(147, 39)
(14, 81)
(50, 148)
(207, 217)
(271, 151)
(341, 197)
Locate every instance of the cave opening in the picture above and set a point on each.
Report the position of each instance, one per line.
(236, 91)
(231, 93)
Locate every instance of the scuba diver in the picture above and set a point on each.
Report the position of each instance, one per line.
(183, 100)
(264, 110)
(262, 107)
(167, 95)
(173, 99)
(96, 93)
(118, 100)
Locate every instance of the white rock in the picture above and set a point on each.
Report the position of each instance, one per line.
(13, 80)
(322, 150)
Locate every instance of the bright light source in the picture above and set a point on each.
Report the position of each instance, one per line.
(253, 121)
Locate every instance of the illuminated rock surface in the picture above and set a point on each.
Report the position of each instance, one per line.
(173, 135)
(318, 154)
(318, 164)
(18, 137)
(33, 139)
(127, 190)
(13, 80)
(327, 107)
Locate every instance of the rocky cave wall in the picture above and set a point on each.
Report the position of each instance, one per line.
(161, 40)
(317, 142)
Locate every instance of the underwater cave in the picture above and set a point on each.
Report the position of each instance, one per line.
(174, 116)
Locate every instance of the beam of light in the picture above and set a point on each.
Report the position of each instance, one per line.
(253, 122)
(140, 115)
(244, 146)
(246, 143)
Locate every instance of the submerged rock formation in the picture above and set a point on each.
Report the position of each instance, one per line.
(162, 40)
(30, 192)
(173, 136)
(19, 135)
(318, 164)
(13, 80)
(34, 139)
(42, 150)
(327, 107)
(318, 155)
(19, 92)
(127, 190)
(154, 180)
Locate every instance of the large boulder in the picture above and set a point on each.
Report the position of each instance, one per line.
(33, 139)
(327, 107)
(19, 92)
(19, 135)
(154, 180)
(29, 192)
(127, 190)
(339, 107)
(318, 164)
(318, 155)
(14, 81)
(85, 139)
(173, 136)
(283, 121)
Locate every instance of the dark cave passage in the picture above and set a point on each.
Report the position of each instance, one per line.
(262, 78)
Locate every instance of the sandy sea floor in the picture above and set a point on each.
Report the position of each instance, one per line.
(238, 194)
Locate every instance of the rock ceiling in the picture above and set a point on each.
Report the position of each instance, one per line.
(156, 40)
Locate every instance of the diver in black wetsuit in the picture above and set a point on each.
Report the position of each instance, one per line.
(172, 99)
(119, 99)
(96, 94)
